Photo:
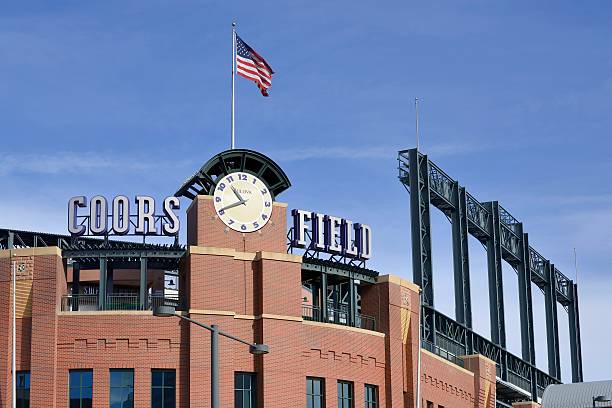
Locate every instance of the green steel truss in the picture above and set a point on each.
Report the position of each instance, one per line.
(504, 239)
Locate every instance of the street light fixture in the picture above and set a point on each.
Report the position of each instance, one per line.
(600, 398)
(254, 348)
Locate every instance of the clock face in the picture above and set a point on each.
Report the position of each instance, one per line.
(242, 202)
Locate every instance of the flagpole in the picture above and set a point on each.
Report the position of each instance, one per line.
(233, 142)
(416, 115)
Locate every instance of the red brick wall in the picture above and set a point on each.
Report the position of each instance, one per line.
(212, 232)
(444, 384)
(140, 341)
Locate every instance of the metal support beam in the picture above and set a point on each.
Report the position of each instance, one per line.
(214, 367)
(110, 279)
(143, 284)
(574, 327)
(76, 283)
(11, 240)
(352, 302)
(526, 308)
(496, 289)
(463, 304)
(421, 235)
(525, 302)
(102, 285)
(552, 323)
(324, 316)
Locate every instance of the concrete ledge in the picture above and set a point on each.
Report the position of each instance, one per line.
(445, 361)
(107, 313)
(211, 312)
(244, 256)
(399, 281)
(342, 327)
(278, 256)
(201, 250)
(38, 251)
(242, 317)
(279, 317)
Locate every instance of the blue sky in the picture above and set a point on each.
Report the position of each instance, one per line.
(130, 97)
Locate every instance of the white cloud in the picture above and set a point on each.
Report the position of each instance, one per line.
(77, 163)
(371, 152)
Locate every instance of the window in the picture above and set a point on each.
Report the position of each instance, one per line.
(345, 394)
(315, 392)
(80, 386)
(22, 390)
(371, 396)
(245, 393)
(163, 388)
(122, 388)
(430, 404)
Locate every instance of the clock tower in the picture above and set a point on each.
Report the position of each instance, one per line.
(238, 273)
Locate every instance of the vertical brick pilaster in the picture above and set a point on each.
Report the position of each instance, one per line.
(45, 294)
(484, 380)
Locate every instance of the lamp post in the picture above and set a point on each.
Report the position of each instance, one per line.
(254, 348)
(600, 398)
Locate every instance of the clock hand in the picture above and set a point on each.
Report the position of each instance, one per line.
(227, 207)
(237, 194)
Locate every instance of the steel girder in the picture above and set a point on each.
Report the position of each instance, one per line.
(526, 306)
(552, 323)
(575, 344)
(463, 302)
(452, 337)
(496, 287)
(418, 175)
(504, 239)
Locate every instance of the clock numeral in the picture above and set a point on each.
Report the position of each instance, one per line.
(264, 191)
(221, 186)
(231, 221)
(221, 212)
(242, 177)
(229, 179)
(264, 217)
(255, 224)
(243, 227)
(268, 204)
(218, 199)
(254, 180)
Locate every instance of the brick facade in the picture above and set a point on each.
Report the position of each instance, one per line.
(249, 286)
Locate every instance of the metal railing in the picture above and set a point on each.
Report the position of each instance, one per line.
(442, 353)
(116, 301)
(338, 316)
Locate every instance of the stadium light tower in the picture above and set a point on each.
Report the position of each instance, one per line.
(254, 348)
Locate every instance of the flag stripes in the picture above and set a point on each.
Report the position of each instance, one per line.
(252, 66)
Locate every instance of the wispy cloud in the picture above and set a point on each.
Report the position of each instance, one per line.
(78, 163)
(370, 152)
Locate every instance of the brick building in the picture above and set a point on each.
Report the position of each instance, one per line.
(353, 344)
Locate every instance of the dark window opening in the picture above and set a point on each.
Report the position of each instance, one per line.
(345, 394)
(80, 385)
(122, 388)
(163, 388)
(315, 392)
(22, 390)
(245, 390)
(371, 396)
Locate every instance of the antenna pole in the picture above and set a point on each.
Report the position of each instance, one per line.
(233, 141)
(416, 114)
(576, 265)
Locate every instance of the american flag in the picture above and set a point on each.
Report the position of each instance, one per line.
(251, 65)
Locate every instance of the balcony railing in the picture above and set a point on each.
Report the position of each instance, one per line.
(116, 301)
(338, 316)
